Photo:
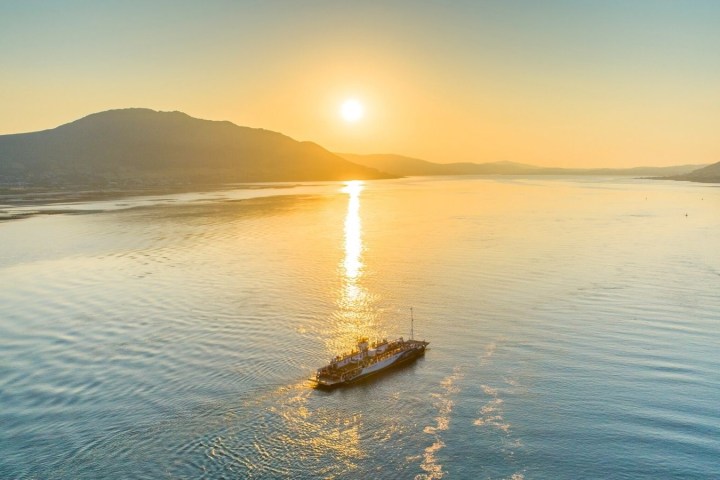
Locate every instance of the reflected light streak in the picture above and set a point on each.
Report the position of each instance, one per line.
(327, 435)
(353, 231)
(355, 316)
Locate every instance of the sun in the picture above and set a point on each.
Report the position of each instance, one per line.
(351, 110)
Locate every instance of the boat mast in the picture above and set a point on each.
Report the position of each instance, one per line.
(412, 322)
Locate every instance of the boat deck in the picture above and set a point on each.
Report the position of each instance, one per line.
(352, 365)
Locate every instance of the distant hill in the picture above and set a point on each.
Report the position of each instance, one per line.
(709, 174)
(396, 163)
(406, 166)
(145, 147)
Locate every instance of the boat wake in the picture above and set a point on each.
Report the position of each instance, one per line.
(444, 403)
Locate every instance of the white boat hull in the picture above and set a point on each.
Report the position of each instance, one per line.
(415, 349)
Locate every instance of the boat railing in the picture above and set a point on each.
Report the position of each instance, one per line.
(392, 348)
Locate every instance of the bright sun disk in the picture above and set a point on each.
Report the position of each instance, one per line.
(351, 110)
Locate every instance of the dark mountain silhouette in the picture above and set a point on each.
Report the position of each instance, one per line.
(405, 166)
(709, 174)
(144, 147)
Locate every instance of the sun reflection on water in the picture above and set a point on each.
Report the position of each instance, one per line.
(353, 230)
(323, 432)
(355, 316)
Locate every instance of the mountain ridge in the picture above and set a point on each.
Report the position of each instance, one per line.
(409, 166)
(708, 174)
(143, 146)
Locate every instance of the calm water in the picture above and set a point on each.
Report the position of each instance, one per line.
(574, 328)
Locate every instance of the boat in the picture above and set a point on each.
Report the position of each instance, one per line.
(369, 359)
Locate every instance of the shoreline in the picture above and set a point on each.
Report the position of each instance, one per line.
(20, 202)
(11, 197)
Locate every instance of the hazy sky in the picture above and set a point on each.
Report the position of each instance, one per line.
(556, 83)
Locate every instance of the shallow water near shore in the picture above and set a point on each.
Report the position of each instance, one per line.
(574, 327)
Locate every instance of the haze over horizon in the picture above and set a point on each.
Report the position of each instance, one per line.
(561, 84)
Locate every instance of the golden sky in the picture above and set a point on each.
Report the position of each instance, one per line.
(553, 83)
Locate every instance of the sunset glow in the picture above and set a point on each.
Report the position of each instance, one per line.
(416, 240)
(574, 84)
(352, 110)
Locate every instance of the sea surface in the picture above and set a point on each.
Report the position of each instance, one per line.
(574, 329)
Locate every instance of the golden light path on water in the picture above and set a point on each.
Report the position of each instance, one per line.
(355, 316)
(324, 432)
(353, 231)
